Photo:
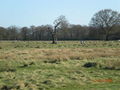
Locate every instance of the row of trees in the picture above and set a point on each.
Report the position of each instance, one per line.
(105, 25)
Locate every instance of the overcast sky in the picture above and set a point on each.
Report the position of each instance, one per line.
(41, 12)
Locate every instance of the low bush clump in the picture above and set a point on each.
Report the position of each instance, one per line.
(90, 64)
(111, 65)
(108, 65)
(0, 47)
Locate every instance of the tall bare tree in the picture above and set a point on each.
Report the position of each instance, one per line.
(12, 32)
(24, 33)
(3, 33)
(59, 23)
(106, 20)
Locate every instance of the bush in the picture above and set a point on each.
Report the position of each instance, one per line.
(90, 64)
(0, 47)
(111, 65)
(108, 65)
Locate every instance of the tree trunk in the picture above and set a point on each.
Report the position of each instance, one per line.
(107, 37)
(107, 34)
(54, 38)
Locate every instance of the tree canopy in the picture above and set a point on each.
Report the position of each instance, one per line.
(106, 20)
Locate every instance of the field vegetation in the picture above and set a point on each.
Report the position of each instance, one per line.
(68, 65)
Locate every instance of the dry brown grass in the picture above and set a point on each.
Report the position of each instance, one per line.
(59, 54)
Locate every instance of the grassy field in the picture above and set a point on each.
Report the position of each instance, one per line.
(68, 65)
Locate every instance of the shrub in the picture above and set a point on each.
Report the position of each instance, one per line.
(90, 64)
(0, 47)
(111, 65)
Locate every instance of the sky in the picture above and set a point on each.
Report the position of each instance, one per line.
(41, 12)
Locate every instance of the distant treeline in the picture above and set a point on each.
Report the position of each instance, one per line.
(71, 32)
(104, 25)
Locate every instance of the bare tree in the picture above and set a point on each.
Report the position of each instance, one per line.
(106, 20)
(12, 32)
(24, 33)
(3, 33)
(59, 23)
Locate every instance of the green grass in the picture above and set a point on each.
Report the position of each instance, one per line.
(43, 66)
